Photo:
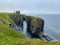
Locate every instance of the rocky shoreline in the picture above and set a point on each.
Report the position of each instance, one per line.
(35, 25)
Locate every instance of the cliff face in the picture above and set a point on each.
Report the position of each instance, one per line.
(34, 25)
(18, 19)
(28, 21)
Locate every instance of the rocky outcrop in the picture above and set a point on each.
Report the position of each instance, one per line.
(18, 19)
(35, 25)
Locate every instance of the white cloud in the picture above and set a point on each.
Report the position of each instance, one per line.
(9, 1)
(6, 1)
(31, 6)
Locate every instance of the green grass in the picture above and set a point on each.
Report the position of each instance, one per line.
(9, 37)
(5, 17)
(32, 17)
(7, 34)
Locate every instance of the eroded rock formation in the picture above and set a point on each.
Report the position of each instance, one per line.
(18, 19)
(35, 25)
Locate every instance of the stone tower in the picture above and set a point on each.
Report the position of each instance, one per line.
(18, 12)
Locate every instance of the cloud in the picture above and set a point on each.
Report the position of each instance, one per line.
(33, 6)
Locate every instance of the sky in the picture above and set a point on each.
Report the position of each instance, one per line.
(31, 6)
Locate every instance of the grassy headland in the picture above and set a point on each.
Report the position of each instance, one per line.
(10, 37)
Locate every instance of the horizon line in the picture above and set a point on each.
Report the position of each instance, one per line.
(28, 12)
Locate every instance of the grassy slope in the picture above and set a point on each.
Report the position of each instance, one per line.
(6, 33)
(10, 37)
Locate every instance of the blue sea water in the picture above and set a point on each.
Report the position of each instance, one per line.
(52, 24)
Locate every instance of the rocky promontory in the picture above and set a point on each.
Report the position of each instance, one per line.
(35, 25)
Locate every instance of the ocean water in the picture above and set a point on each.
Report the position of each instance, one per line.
(51, 25)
